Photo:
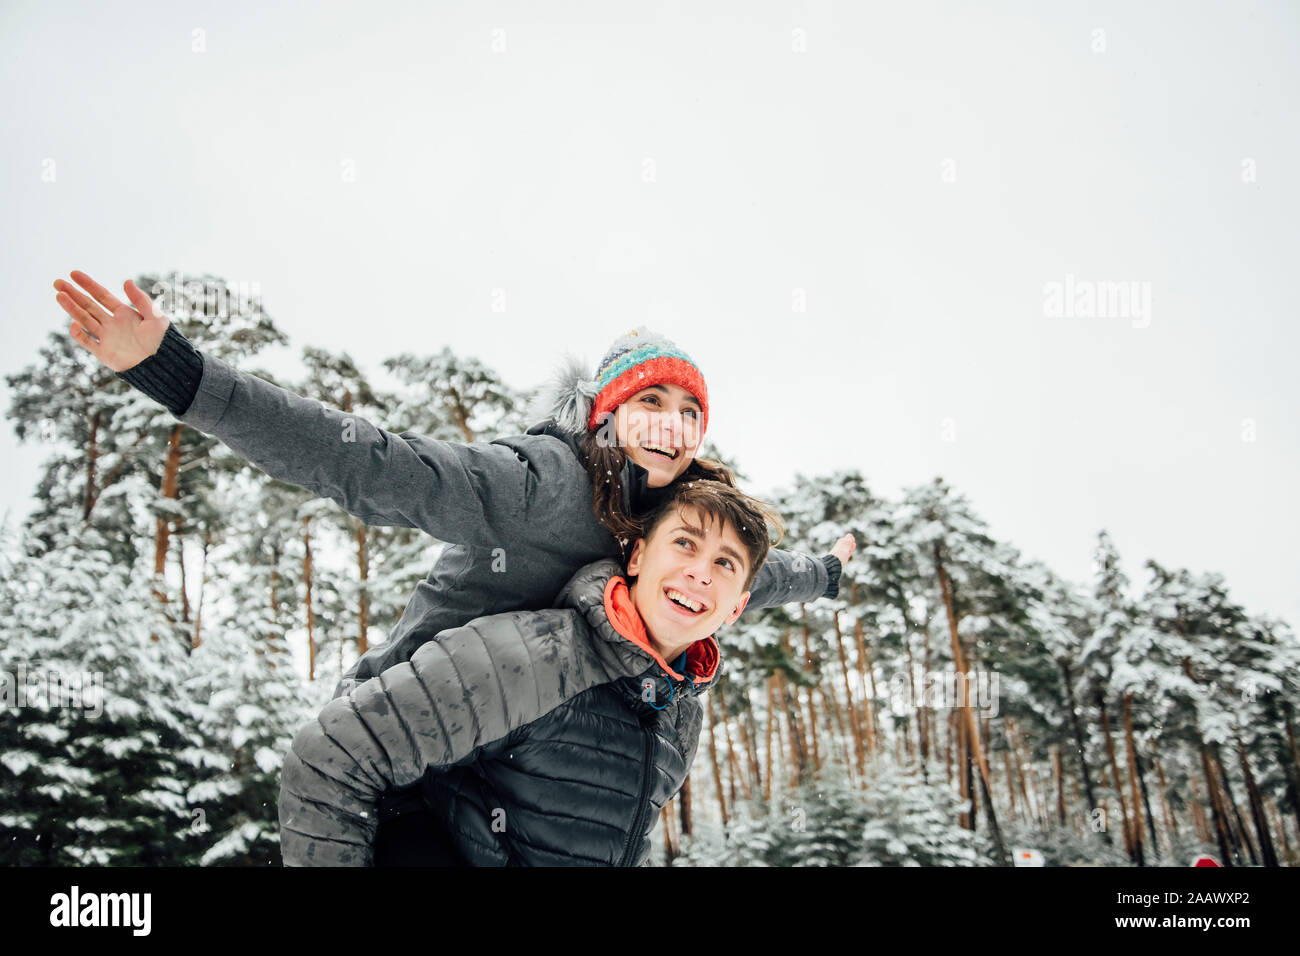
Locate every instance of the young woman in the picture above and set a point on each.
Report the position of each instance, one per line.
(520, 514)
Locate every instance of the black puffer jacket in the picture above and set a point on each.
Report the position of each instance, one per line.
(554, 739)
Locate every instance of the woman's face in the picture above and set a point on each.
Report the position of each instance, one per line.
(659, 429)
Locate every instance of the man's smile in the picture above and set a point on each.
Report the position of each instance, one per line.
(684, 604)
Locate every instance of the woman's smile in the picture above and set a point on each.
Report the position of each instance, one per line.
(661, 451)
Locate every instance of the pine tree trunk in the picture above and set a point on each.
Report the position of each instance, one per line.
(1019, 770)
(1078, 802)
(459, 414)
(923, 707)
(1138, 854)
(751, 725)
(1171, 823)
(810, 667)
(972, 736)
(748, 735)
(963, 769)
(911, 687)
(1266, 850)
(713, 759)
(161, 534)
(203, 579)
(275, 582)
(1011, 784)
(180, 560)
(855, 721)
(1273, 721)
(798, 752)
(1199, 823)
(867, 674)
(734, 781)
(800, 745)
(1235, 821)
(770, 731)
(684, 807)
(92, 460)
(1279, 824)
(1146, 797)
(1008, 732)
(949, 739)
(1218, 813)
(1119, 781)
(1059, 769)
(1217, 810)
(1295, 762)
(834, 723)
(1068, 681)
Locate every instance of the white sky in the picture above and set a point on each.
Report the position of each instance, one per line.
(486, 175)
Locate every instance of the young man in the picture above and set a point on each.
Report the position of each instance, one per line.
(542, 738)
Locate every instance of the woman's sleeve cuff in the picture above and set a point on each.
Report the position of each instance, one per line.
(833, 569)
(171, 375)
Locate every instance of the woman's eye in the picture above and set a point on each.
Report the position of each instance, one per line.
(683, 541)
(651, 398)
(693, 413)
(730, 565)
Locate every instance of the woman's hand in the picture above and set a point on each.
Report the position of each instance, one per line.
(109, 329)
(844, 549)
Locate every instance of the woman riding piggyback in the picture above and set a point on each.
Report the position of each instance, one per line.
(520, 514)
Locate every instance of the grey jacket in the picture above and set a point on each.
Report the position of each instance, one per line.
(545, 738)
(516, 512)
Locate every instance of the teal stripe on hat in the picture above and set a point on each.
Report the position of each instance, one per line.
(637, 356)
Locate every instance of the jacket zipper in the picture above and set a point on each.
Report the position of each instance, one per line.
(643, 802)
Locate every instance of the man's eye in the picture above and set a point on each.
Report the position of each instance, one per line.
(693, 413)
(730, 564)
(651, 398)
(683, 541)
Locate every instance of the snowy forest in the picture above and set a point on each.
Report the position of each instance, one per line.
(170, 616)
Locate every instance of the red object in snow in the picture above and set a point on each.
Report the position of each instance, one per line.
(1205, 861)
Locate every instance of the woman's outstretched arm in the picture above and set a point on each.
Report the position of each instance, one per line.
(464, 493)
(789, 577)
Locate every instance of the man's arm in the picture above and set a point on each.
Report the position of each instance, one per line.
(455, 697)
(789, 577)
(465, 493)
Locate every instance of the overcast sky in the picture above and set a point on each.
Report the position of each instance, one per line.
(876, 227)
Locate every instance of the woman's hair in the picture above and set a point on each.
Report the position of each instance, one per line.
(605, 461)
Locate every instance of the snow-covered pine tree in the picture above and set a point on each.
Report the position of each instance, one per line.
(973, 579)
(253, 699)
(910, 823)
(95, 733)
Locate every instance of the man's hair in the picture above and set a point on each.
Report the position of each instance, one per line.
(749, 517)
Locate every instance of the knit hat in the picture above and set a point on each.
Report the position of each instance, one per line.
(639, 359)
(577, 402)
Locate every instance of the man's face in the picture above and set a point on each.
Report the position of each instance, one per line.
(659, 417)
(688, 555)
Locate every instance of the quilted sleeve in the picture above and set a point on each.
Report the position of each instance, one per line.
(455, 696)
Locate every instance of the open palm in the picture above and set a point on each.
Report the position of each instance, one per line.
(843, 549)
(109, 329)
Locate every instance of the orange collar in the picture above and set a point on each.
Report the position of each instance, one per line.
(701, 657)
